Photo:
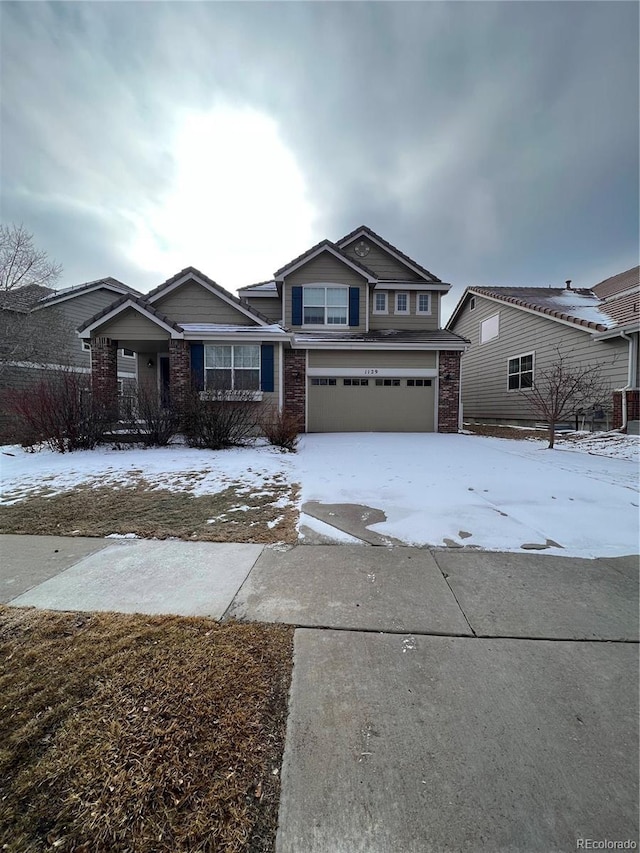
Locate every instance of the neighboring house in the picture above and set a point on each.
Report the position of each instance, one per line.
(38, 332)
(517, 331)
(346, 337)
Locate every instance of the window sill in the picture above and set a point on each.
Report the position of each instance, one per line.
(239, 396)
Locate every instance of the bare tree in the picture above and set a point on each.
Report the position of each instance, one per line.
(21, 264)
(563, 389)
(26, 276)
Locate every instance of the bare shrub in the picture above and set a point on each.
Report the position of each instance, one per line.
(564, 389)
(61, 411)
(216, 419)
(146, 420)
(281, 429)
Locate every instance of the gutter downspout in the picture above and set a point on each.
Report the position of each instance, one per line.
(629, 384)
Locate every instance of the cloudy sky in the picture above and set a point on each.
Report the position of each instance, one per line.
(496, 143)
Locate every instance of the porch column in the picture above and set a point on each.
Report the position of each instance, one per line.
(295, 385)
(104, 372)
(448, 391)
(179, 372)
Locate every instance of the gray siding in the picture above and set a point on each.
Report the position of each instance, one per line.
(76, 311)
(404, 321)
(326, 269)
(131, 326)
(372, 358)
(381, 263)
(271, 308)
(484, 366)
(192, 303)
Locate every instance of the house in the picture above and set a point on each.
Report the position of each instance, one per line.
(38, 333)
(515, 332)
(345, 337)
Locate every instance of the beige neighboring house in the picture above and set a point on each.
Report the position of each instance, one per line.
(39, 333)
(346, 337)
(515, 332)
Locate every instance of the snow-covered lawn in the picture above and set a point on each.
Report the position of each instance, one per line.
(473, 490)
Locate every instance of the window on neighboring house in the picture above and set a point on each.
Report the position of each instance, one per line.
(128, 353)
(472, 303)
(325, 306)
(232, 368)
(380, 302)
(423, 303)
(520, 372)
(86, 346)
(402, 303)
(489, 329)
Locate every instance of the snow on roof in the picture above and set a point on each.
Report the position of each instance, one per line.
(269, 286)
(225, 328)
(579, 306)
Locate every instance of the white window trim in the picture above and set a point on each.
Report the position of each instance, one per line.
(472, 304)
(377, 293)
(124, 355)
(325, 285)
(418, 310)
(397, 310)
(533, 372)
(228, 394)
(86, 345)
(493, 337)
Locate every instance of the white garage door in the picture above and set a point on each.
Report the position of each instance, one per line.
(353, 404)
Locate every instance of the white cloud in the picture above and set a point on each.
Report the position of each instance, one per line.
(236, 202)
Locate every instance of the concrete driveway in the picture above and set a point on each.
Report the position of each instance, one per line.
(442, 700)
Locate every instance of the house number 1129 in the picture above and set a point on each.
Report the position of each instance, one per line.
(370, 371)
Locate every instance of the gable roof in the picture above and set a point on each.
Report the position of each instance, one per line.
(23, 299)
(384, 244)
(616, 284)
(191, 273)
(139, 304)
(269, 288)
(579, 307)
(332, 248)
(65, 293)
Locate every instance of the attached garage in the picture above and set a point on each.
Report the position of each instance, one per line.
(371, 403)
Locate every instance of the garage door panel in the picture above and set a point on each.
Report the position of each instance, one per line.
(392, 405)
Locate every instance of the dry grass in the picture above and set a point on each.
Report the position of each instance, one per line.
(136, 733)
(141, 508)
(503, 431)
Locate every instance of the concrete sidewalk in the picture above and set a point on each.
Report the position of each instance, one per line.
(123, 575)
(443, 701)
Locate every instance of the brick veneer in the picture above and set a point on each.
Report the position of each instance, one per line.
(179, 371)
(295, 384)
(449, 394)
(104, 371)
(633, 407)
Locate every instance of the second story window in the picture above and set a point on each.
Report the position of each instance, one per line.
(423, 303)
(402, 303)
(380, 303)
(326, 306)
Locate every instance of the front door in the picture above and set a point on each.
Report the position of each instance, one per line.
(164, 381)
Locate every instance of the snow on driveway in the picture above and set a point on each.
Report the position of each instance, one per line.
(504, 493)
